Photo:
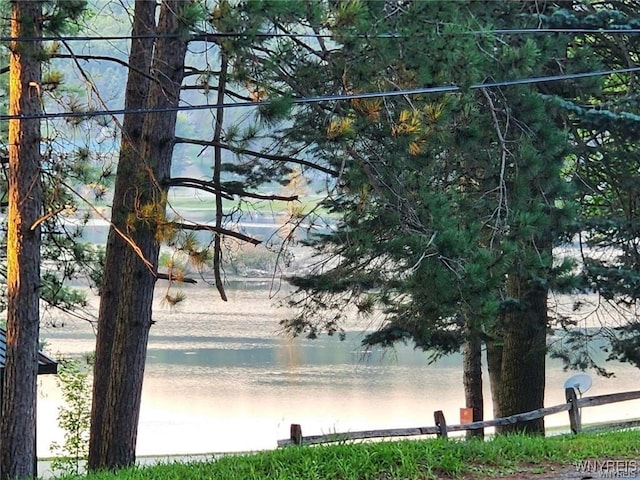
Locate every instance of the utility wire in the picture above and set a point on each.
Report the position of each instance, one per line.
(172, 35)
(203, 36)
(326, 98)
(521, 31)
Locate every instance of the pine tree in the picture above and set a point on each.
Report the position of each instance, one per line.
(440, 197)
(24, 219)
(17, 429)
(142, 218)
(123, 203)
(604, 125)
(144, 198)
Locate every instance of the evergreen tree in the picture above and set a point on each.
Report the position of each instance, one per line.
(72, 174)
(604, 126)
(17, 429)
(449, 204)
(24, 220)
(143, 203)
(142, 218)
(137, 88)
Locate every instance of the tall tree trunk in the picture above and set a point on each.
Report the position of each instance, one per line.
(217, 170)
(123, 203)
(133, 316)
(17, 432)
(494, 368)
(524, 350)
(472, 375)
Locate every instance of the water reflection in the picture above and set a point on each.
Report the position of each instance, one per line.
(221, 378)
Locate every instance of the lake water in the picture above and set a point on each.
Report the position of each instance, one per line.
(221, 377)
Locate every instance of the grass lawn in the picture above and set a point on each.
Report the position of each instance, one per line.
(525, 457)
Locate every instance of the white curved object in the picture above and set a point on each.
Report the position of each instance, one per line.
(580, 381)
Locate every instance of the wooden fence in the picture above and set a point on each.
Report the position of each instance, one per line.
(441, 429)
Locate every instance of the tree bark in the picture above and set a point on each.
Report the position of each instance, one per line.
(18, 426)
(217, 168)
(524, 350)
(494, 367)
(123, 202)
(133, 314)
(472, 375)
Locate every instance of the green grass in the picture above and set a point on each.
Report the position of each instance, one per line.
(407, 460)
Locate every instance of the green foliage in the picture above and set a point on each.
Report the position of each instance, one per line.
(605, 128)
(75, 170)
(73, 417)
(56, 294)
(625, 346)
(193, 14)
(63, 16)
(66, 165)
(276, 110)
(440, 196)
(419, 460)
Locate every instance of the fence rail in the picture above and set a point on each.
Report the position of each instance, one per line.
(573, 405)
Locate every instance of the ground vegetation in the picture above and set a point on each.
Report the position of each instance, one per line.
(510, 457)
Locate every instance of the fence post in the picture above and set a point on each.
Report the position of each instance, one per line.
(574, 411)
(296, 434)
(441, 423)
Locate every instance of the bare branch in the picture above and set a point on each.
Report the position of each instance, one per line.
(203, 185)
(206, 37)
(304, 46)
(214, 88)
(259, 196)
(122, 235)
(175, 278)
(219, 231)
(211, 187)
(192, 71)
(266, 156)
(76, 57)
(504, 152)
(46, 217)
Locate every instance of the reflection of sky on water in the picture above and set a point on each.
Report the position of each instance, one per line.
(220, 377)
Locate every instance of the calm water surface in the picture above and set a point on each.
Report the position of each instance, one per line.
(220, 377)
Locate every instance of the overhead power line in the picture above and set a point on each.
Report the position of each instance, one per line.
(197, 36)
(519, 31)
(204, 36)
(328, 98)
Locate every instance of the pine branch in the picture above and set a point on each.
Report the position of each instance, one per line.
(204, 185)
(259, 196)
(265, 156)
(214, 88)
(305, 46)
(175, 278)
(94, 57)
(223, 191)
(193, 71)
(77, 57)
(220, 231)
